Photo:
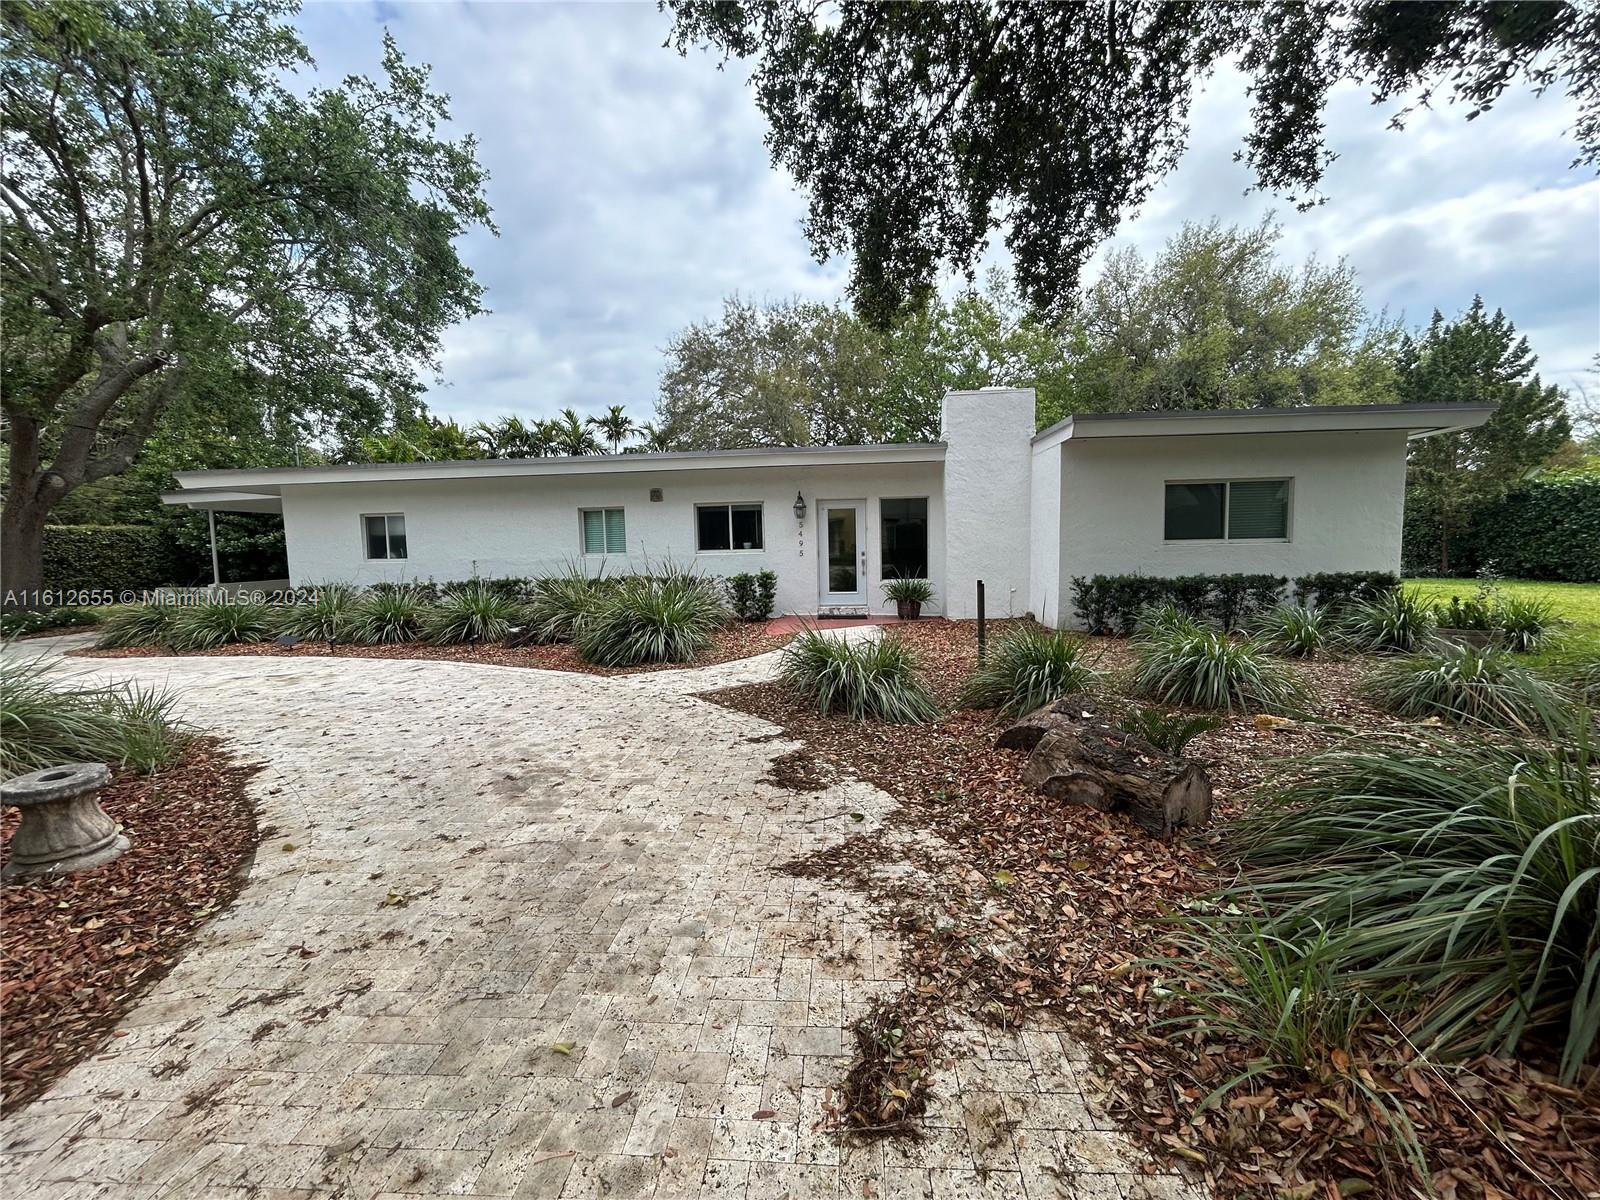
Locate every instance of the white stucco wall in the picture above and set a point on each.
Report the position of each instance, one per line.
(1345, 508)
(1044, 534)
(987, 485)
(458, 528)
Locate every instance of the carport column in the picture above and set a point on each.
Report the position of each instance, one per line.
(211, 522)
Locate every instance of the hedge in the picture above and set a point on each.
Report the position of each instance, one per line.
(1114, 602)
(107, 557)
(1546, 528)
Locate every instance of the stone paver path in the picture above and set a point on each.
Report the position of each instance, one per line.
(517, 933)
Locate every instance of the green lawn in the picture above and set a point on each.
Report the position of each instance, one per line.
(1577, 603)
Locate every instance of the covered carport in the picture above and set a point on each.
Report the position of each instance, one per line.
(211, 501)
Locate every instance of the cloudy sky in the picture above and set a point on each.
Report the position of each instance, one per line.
(633, 193)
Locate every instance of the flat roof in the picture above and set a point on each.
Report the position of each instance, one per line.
(1417, 420)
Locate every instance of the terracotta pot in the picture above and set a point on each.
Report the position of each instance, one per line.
(908, 610)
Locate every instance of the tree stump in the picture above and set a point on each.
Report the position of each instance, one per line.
(63, 827)
(1069, 712)
(1092, 763)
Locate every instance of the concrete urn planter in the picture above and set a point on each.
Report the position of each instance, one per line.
(63, 826)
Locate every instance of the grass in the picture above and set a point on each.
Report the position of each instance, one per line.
(1576, 603)
(1207, 668)
(1472, 685)
(1027, 669)
(879, 679)
(43, 724)
(672, 617)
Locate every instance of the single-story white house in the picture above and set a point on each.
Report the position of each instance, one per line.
(1287, 491)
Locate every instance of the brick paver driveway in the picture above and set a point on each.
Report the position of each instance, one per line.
(518, 933)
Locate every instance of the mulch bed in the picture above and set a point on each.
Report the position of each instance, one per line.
(743, 640)
(1019, 903)
(79, 950)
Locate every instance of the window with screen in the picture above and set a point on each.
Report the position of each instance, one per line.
(1235, 510)
(604, 531)
(728, 527)
(385, 535)
(903, 538)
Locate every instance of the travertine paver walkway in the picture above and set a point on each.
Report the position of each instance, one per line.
(518, 933)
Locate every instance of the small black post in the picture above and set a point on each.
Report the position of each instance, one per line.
(981, 632)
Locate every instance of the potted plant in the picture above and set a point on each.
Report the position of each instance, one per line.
(909, 595)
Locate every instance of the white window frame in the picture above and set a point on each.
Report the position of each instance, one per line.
(366, 546)
(1227, 501)
(759, 505)
(603, 508)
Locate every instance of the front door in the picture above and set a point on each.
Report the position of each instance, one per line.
(843, 563)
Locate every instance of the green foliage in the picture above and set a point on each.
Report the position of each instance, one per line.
(648, 619)
(1169, 731)
(879, 679)
(1465, 872)
(325, 617)
(137, 625)
(1397, 623)
(1333, 589)
(471, 612)
(1206, 668)
(1107, 603)
(1294, 631)
(108, 558)
(386, 615)
(559, 605)
(1476, 359)
(418, 438)
(572, 436)
(753, 595)
(512, 587)
(909, 133)
(1547, 527)
(220, 621)
(1481, 686)
(908, 590)
(44, 723)
(20, 623)
(1029, 667)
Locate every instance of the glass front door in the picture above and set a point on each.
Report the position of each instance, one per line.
(844, 561)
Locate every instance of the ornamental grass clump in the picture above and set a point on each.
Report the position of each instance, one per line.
(1398, 622)
(474, 611)
(558, 605)
(1460, 876)
(1206, 668)
(1293, 630)
(219, 621)
(1469, 684)
(325, 617)
(1029, 667)
(137, 625)
(879, 679)
(1523, 622)
(387, 615)
(672, 617)
(45, 723)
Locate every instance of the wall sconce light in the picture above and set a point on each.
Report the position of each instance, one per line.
(799, 507)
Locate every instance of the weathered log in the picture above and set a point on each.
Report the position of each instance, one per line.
(1069, 712)
(1109, 770)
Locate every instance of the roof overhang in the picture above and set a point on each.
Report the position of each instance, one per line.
(1416, 420)
(226, 488)
(223, 500)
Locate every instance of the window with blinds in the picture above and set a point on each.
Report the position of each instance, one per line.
(1234, 510)
(604, 531)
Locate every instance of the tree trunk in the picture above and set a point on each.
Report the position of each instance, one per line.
(1444, 544)
(22, 551)
(1109, 770)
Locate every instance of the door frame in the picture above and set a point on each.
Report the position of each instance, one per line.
(834, 601)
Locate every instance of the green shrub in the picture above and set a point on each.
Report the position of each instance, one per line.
(1293, 630)
(471, 612)
(1397, 623)
(107, 558)
(218, 621)
(44, 724)
(137, 625)
(1156, 619)
(879, 679)
(1027, 669)
(1547, 527)
(1335, 589)
(1523, 621)
(1112, 603)
(1169, 731)
(511, 587)
(325, 617)
(753, 596)
(1465, 871)
(386, 615)
(22, 622)
(908, 590)
(1481, 686)
(1206, 668)
(558, 605)
(667, 618)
